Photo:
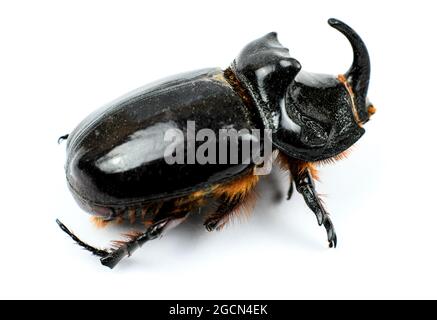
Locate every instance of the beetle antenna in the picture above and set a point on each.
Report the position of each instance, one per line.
(95, 251)
(62, 138)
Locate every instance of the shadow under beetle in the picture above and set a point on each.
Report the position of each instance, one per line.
(116, 168)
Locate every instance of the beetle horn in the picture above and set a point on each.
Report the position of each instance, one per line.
(359, 73)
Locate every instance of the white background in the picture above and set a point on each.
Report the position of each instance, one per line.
(61, 60)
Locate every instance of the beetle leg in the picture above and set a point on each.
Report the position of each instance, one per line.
(222, 215)
(95, 251)
(286, 164)
(112, 258)
(290, 189)
(232, 196)
(305, 186)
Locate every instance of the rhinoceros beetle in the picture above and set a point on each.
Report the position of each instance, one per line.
(116, 167)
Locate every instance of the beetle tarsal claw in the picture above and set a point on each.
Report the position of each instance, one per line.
(332, 236)
(216, 225)
(212, 224)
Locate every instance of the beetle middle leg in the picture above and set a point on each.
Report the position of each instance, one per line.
(302, 174)
(232, 198)
(224, 212)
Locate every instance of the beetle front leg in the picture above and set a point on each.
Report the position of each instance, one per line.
(305, 186)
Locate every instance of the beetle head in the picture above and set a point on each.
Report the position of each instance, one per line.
(324, 114)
